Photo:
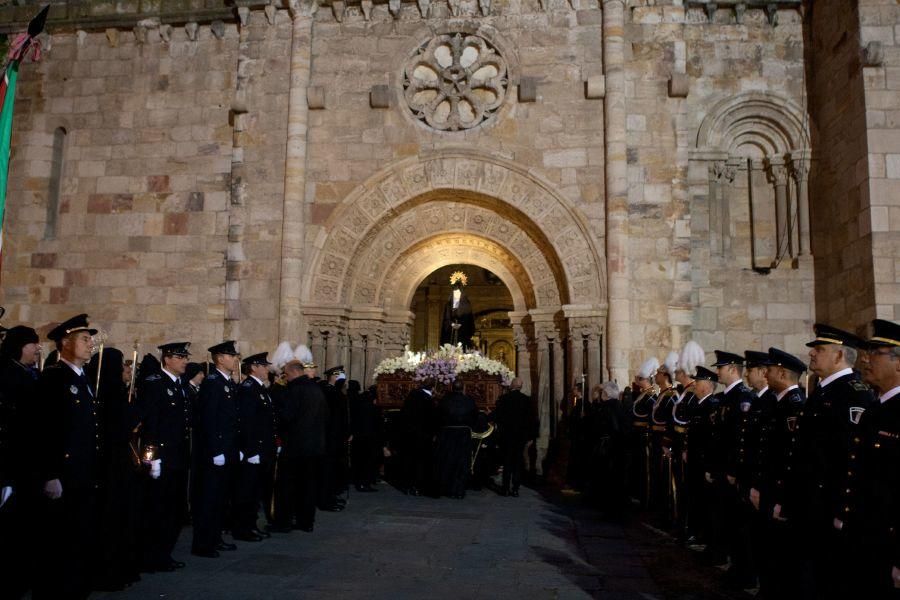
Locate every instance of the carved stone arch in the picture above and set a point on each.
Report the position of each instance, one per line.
(505, 190)
(433, 223)
(773, 123)
(423, 258)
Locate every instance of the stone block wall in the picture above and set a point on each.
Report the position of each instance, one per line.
(692, 234)
(145, 194)
(559, 136)
(880, 23)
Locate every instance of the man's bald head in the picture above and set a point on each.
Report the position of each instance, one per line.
(515, 384)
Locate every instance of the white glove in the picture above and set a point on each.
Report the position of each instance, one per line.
(240, 456)
(5, 493)
(278, 451)
(253, 460)
(219, 460)
(155, 468)
(53, 489)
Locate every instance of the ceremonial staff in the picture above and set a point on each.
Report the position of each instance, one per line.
(101, 335)
(134, 355)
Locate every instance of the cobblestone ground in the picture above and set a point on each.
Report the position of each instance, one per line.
(387, 545)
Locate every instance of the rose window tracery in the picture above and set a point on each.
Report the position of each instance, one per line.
(455, 81)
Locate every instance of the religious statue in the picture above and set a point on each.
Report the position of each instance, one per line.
(457, 324)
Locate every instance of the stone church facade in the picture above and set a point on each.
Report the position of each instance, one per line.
(638, 173)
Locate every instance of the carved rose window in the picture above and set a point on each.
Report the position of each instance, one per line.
(455, 81)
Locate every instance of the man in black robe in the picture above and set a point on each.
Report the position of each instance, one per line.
(417, 420)
(18, 357)
(515, 418)
(365, 427)
(336, 436)
(453, 453)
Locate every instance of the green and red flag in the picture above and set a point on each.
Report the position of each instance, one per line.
(25, 44)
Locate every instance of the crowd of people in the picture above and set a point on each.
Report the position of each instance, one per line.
(102, 466)
(787, 478)
(790, 482)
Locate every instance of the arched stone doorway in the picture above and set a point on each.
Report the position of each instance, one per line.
(457, 207)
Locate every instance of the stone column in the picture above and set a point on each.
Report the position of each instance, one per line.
(778, 175)
(332, 348)
(559, 382)
(594, 373)
(237, 209)
(293, 224)
(575, 343)
(357, 358)
(800, 173)
(317, 347)
(543, 399)
(614, 114)
(523, 358)
(373, 356)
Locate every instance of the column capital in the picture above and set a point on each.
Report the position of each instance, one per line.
(302, 8)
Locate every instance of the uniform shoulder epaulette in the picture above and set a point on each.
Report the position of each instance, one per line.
(154, 377)
(796, 397)
(247, 383)
(859, 386)
(212, 376)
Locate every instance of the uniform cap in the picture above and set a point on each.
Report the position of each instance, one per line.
(649, 367)
(784, 359)
(226, 347)
(692, 356)
(304, 355)
(826, 334)
(182, 349)
(705, 374)
(670, 363)
(76, 323)
(727, 358)
(756, 359)
(884, 333)
(257, 359)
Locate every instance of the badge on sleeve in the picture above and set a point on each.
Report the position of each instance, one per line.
(856, 413)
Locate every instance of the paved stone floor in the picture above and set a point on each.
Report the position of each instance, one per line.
(387, 545)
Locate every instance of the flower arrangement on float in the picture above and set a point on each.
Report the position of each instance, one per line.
(443, 365)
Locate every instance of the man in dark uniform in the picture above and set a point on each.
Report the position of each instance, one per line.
(166, 441)
(876, 539)
(515, 421)
(418, 426)
(66, 464)
(754, 430)
(18, 373)
(337, 433)
(257, 442)
(701, 458)
(661, 432)
(641, 410)
(691, 357)
(287, 479)
(735, 409)
(216, 434)
(828, 463)
(311, 426)
(774, 544)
